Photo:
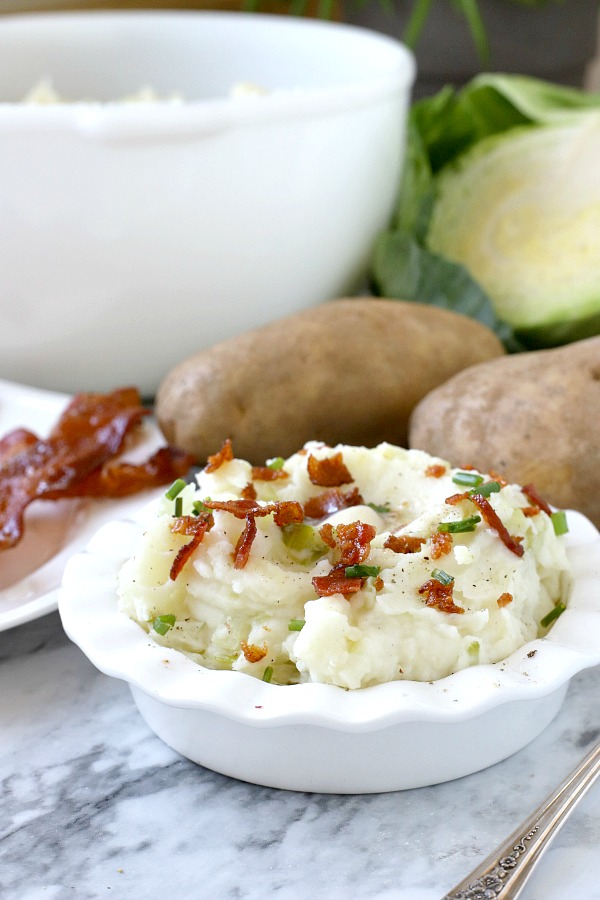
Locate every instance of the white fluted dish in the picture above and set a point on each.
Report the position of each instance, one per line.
(314, 737)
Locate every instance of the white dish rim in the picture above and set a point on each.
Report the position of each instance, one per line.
(120, 648)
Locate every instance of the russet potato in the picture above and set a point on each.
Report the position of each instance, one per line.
(532, 417)
(348, 370)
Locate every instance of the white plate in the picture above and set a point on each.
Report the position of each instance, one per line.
(317, 737)
(30, 573)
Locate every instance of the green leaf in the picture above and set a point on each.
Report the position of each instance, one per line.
(406, 271)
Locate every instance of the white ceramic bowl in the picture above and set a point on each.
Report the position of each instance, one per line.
(135, 234)
(314, 737)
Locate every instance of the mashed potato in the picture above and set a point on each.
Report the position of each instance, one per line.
(370, 565)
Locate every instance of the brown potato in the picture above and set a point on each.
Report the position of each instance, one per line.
(348, 370)
(532, 417)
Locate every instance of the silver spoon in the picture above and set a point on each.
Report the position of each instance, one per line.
(504, 873)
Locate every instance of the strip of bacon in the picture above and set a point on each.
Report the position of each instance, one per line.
(331, 501)
(494, 521)
(120, 479)
(440, 596)
(241, 554)
(330, 471)
(91, 431)
(196, 526)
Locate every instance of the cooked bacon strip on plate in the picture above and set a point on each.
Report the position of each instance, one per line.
(91, 431)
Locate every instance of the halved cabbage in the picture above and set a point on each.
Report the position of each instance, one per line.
(521, 210)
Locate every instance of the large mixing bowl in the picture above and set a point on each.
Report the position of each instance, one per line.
(135, 233)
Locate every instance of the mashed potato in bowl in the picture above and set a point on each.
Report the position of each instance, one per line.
(347, 566)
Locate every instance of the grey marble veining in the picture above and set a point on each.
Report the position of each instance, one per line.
(95, 806)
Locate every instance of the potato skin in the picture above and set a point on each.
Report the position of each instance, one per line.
(532, 417)
(348, 370)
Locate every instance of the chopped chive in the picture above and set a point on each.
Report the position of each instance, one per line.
(268, 674)
(552, 615)
(471, 478)
(276, 463)
(199, 507)
(175, 489)
(559, 522)
(461, 525)
(164, 623)
(380, 507)
(178, 506)
(490, 487)
(362, 571)
(442, 576)
(296, 624)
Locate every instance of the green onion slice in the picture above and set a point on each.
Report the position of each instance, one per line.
(175, 489)
(553, 615)
(559, 522)
(199, 507)
(490, 487)
(461, 525)
(276, 463)
(164, 623)
(362, 571)
(268, 674)
(178, 506)
(380, 507)
(469, 478)
(442, 576)
(296, 624)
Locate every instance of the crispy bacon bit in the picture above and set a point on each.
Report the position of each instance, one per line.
(530, 511)
(328, 472)
(266, 473)
(249, 492)
(441, 544)
(435, 470)
(91, 431)
(335, 582)
(494, 521)
(379, 584)
(533, 496)
(504, 599)
(327, 535)
(457, 498)
(252, 652)
(225, 454)
(331, 501)
(197, 526)
(439, 596)
(499, 478)
(354, 542)
(404, 543)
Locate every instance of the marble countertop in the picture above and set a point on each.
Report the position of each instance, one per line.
(95, 806)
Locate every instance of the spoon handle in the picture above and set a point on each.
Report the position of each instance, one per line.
(504, 873)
